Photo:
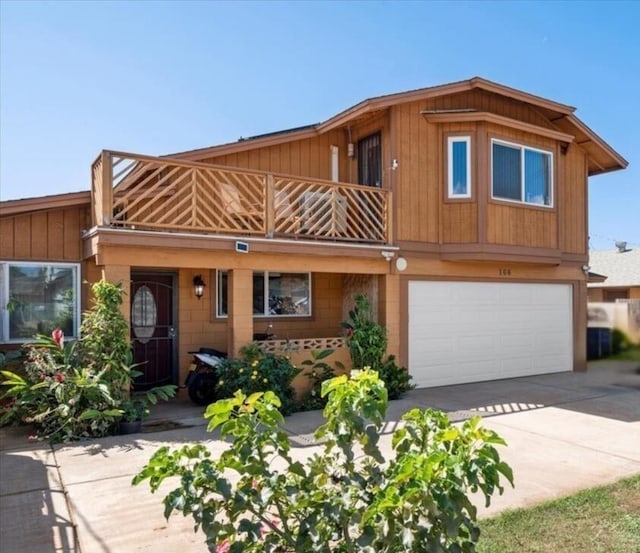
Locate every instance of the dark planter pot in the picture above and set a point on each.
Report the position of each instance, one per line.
(132, 427)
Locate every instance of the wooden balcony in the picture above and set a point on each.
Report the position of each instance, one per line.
(150, 193)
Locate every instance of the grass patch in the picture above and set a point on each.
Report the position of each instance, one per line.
(599, 520)
(629, 354)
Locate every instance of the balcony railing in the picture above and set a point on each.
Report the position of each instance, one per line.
(143, 192)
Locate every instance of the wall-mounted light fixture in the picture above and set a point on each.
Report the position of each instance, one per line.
(198, 286)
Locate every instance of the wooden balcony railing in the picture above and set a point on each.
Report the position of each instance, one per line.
(143, 192)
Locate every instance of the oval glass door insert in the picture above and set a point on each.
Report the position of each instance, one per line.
(144, 314)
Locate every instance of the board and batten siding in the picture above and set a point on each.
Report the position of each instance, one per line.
(424, 215)
(50, 235)
(310, 157)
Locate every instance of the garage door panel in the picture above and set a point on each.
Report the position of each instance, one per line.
(471, 331)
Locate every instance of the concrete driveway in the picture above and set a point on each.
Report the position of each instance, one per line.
(565, 432)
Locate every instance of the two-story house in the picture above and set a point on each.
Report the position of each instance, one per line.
(460, 211)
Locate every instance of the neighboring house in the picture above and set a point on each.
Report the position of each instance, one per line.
(614, 299)
(621, 267)
(460, 210)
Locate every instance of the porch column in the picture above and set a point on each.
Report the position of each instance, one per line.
(120, 274)
(389, 311)
(239, 309)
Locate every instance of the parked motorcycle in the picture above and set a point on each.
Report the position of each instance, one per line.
(202, 378)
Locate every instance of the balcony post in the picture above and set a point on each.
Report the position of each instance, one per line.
(270, 205)
(106, 191)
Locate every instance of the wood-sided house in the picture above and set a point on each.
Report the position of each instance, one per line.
(460, 210)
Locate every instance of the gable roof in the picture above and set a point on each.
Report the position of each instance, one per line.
(40, 203)
(620, 268)
(602, 157)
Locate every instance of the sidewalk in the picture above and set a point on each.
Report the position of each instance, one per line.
(565, 432)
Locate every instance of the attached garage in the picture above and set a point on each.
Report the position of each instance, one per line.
(473, 331)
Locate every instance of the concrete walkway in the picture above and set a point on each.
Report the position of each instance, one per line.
(565, 432)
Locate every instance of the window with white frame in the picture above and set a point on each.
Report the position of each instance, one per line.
(459, 166)
(521, 174)
(37, 298)
(275, 294)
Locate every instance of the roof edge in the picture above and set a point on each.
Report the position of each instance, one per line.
(40, 203)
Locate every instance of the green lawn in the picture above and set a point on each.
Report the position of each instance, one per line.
(600, 520)
(631, 354)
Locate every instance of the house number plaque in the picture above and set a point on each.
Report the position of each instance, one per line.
(504, 272)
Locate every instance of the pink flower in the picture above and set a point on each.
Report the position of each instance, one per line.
(58, 337)
(60, 377)
(223, 547)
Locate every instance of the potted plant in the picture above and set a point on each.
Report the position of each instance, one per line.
(138, 406)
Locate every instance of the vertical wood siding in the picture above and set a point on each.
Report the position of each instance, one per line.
(45, 235)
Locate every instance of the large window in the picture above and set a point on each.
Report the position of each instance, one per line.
(37, 298)
(521, 174)
(459, 166)
(274, 294)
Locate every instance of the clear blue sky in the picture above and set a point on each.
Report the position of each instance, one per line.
(159, 77)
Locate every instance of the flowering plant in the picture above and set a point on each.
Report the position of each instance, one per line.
(60, 398)
(342, 498)
(257, 371)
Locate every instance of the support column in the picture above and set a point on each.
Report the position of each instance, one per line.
(240, 309)
(580, 326)
(389, 311)
(120, 274)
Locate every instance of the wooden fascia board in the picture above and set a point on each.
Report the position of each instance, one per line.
(618, 161)
(519, 95)
(243, 145)
(485, 116)
(97, 237)
(59, 201)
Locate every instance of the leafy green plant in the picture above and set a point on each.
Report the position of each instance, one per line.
(366, 339)
(78, 389)
(396, 379)
(257, 371)
(367, 343)
(63, 400)
(318, 372)
(138, 406)
(344, 498)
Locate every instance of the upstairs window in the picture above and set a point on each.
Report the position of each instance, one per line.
(459, 166)
(370, 160)
(37, 298)
(521, 174)
(274, 294)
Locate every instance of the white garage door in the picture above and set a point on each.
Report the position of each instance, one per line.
(472, 331)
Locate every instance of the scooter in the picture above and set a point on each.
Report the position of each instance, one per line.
(202, 379)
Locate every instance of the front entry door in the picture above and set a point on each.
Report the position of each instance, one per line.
(153, 329)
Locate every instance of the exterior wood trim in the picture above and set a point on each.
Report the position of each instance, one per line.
(96, 238)
(31, 205)
(474, 116)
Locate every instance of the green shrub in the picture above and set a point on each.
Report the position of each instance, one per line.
(319, 372)
(619, 341)
(367, 343)
(366, 339)
(344, 498)
(396, 379)
(257, 371)
(80, 389)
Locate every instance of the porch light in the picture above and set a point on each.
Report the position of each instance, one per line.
(198, 286)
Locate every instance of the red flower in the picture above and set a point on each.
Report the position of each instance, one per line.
(58, 337)
(349, 332)
(60, 377)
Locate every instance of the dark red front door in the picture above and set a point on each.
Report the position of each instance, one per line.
(153, 329)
